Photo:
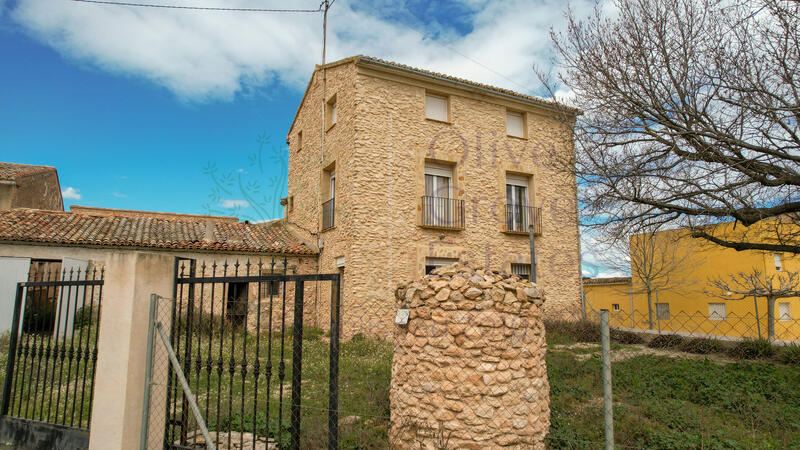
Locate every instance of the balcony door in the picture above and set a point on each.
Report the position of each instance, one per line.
(438, 185)
(517, 214)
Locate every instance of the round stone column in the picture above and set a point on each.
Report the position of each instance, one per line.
(469, 368)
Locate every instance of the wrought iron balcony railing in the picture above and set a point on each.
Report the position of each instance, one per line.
(442, 212)
(520, 217)
(328, 214)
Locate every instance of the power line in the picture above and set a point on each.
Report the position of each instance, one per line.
(200, 8)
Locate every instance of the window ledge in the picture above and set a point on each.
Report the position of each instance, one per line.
(330, 126)
(434, 227)
(446, 122)
(520, 233)
(517, 137)
(328, 229)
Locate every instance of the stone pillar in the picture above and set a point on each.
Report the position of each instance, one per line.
(469, 368)
(122, 345)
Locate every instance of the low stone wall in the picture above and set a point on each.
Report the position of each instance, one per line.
(469, 368)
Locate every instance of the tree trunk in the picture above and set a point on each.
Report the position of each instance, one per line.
(650, 307)
(771, 318)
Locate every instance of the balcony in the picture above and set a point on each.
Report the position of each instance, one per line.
(520, 217)
(442, 212)
(328, 215)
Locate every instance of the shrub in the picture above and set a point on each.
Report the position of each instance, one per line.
(578, 330)
(789, 354)
(85, 316)
(625, 337)
(666, 341)
(752, 349)
(702, 346)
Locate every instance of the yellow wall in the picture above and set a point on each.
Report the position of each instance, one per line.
(690, 291)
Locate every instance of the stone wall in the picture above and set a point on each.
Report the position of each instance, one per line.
(469, 368)
(379, 149)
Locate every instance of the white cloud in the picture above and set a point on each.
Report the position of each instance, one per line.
(200, 55)
(119, 195)
(231, 204)
(70, 193)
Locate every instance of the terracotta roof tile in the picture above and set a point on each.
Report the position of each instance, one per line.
(63, 228)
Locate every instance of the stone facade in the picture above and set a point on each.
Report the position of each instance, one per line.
(379, 148)
(25, 186)
(469, 366)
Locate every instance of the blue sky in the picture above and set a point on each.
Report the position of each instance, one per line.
(187, 111)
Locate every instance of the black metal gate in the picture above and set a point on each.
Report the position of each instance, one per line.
(50, 371)
(238, 331)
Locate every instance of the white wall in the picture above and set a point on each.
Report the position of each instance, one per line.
(13, 270)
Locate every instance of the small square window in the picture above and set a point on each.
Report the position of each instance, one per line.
(432, 264)
(778, 262)
(331, 112)
(716, 311)
(662, 311)
(521, 270)
(515, 124)
(615, 307)
(436, 107)
(784, 312)
(270, 288)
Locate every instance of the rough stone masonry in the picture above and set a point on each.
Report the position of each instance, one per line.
(469, 366)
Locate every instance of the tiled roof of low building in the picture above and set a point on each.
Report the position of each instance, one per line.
(12, 171)
(609, 280)
(188, 234)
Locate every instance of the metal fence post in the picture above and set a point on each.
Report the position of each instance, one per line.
(12, 351)
(608, 413)
(758, 321)
(148, 373)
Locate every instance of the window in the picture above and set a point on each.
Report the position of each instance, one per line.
(437, 206)
(522, 270)
(436, 107)
(291, 203)
(236, 303)
(299, 140)
(784, 312)
(716, 311)
(778, 263)
(615, 307)
(270, 288)
(515, 124)
(331, 112)
(662, 311)
(434, 263)
(328, 206)
(517, 212)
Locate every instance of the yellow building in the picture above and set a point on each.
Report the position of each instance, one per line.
(681, 271)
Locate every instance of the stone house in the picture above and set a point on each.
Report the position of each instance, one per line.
(27, 186)
(395, 170)
(34, 242)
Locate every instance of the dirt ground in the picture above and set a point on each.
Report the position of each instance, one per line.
(586, 350)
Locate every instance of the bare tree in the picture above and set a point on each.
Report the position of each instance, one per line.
(772, 287)
(657, 261)
(691, 112)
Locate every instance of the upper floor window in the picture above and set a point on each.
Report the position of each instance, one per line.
(518, 215)
(439, 207)
(778, 262)
(331, 112)
(436, 107)
(299, 141)
(515, 124)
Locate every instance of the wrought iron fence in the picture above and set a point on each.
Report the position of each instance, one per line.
(520, 217)
(443, 212)
(50, 371)
(240, 347)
